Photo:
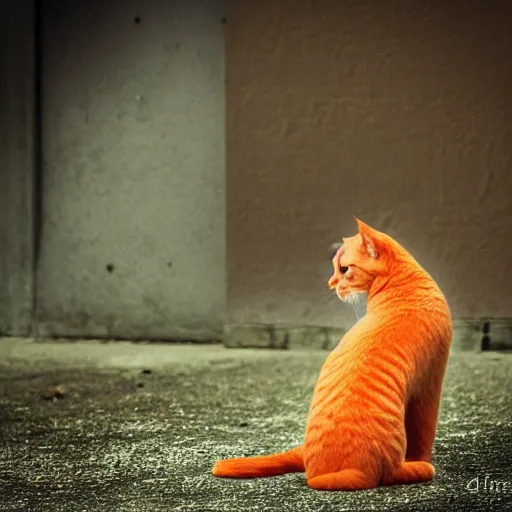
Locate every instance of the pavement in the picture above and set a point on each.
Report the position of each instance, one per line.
(91, 426)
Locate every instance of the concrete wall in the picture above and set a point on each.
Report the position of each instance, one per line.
(16, 166)
(133, 195)
(399, 112)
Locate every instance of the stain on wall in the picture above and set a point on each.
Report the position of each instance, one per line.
(17, 69)
(133, 196)
(399, 112)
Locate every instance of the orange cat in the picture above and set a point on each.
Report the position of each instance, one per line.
(373, 416)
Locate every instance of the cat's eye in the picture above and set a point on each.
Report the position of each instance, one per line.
(343, 269)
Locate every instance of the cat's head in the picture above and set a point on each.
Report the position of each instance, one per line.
(359, 261)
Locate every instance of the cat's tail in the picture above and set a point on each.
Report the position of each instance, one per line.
(291, 461)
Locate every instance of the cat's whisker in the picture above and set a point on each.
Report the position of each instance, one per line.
(325, 297)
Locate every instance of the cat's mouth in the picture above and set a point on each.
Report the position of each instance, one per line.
(357, 299)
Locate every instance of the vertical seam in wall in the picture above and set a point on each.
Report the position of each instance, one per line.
(37, 193)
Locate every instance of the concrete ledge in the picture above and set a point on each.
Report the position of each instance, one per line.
(482, 334)
(281, 336)
(468, 335)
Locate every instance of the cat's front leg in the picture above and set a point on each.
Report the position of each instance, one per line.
(420, 424)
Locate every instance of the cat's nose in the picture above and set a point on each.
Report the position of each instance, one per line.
(333, 281)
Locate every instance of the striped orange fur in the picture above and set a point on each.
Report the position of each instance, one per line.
(373, 416)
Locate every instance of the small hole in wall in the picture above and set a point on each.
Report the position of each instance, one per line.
(137, 19)
(110, 268)
(223, 20)
(486, 339)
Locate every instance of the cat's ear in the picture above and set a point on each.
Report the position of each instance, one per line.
(371, 239)
(335, 247)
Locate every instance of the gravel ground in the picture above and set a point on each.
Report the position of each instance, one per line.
(137, 427)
